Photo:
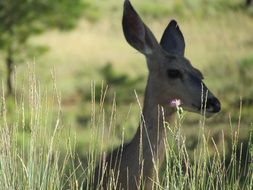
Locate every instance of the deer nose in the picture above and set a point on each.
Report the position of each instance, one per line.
(213, 105)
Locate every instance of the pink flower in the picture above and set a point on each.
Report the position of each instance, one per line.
(175, 103)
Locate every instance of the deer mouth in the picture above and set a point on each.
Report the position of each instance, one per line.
(202, 110)
(208, 110)
(211, 106)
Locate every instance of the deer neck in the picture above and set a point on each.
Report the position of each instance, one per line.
(151, 132)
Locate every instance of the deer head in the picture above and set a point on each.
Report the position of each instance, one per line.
(171, 75)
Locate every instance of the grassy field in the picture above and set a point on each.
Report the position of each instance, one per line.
(57, 116)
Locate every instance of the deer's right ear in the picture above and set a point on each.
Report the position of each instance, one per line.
(136, 32)
(173, 40)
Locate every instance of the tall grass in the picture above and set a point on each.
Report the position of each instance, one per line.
(31, 141)
(221, 162)
(213, 165)
(37, 150)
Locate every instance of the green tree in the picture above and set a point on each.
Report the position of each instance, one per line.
(21, 19)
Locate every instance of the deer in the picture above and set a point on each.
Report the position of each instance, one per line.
(171, 79)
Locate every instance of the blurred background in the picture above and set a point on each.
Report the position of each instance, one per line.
(79, 46)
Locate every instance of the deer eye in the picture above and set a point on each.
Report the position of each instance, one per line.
(174, 73)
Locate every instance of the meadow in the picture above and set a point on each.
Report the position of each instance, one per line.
(79, 99)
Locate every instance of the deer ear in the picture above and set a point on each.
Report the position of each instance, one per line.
(136, 32)
(173, 40)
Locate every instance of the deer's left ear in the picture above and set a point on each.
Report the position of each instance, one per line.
(173, 40)
(137, 34)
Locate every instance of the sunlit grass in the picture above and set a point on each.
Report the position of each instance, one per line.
(46, 133)
(36, 151)
(214, 161)
(40, 150)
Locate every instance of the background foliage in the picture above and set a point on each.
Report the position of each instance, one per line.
(93, 63)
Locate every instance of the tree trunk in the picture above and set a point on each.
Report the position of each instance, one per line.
(249, 3)
(9, 64)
